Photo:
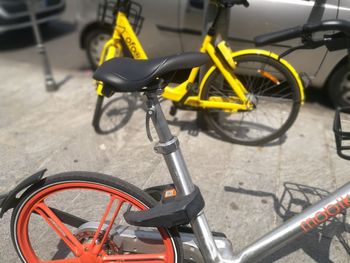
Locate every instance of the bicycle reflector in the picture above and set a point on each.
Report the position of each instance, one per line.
(226, 53)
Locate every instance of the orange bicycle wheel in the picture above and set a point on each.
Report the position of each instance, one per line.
(77, 217)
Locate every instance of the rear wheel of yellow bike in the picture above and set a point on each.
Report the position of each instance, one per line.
(271, 88)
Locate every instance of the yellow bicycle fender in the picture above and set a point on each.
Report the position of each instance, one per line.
(275, 57)
(263, 53)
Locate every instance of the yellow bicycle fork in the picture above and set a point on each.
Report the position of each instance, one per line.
(113, 47)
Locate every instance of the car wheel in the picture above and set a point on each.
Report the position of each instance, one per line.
(94, 42)
(339, 86)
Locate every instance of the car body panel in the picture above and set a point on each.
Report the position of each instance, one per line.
(332, 59)
(14, 13)
(158, 42)
(275, 15)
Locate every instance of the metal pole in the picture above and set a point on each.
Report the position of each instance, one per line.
(49, 80)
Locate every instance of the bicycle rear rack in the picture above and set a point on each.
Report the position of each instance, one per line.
(342, 138)
(108, 9)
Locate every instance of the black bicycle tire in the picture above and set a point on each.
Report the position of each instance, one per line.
(88, 39)
(99, 103)
(97, 114)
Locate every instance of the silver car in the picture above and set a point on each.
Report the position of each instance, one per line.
(176, 25)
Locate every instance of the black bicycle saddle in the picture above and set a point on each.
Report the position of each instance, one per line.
(130, 75)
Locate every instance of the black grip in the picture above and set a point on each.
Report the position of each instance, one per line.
(294, 32)
(334, 24)
(278, 36)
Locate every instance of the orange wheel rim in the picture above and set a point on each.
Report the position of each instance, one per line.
(90, 253)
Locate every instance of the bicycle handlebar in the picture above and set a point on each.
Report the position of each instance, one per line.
(298, 31)
(278, 36)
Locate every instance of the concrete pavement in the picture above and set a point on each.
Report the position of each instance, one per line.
(53, 130)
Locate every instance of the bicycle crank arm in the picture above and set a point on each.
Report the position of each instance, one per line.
(68, 219)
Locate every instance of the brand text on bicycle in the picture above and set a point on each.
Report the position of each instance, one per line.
(132, 46)
(326, 213)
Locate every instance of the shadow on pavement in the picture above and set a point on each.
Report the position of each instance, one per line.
(193, 128)
(117, 113)
(63, 81)
(296, 198)
(24, 38)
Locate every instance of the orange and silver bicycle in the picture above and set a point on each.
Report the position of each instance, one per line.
(248, 97)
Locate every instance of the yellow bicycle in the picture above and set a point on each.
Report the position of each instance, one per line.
(248, 97)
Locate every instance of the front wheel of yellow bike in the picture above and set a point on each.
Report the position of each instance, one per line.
(272, 89)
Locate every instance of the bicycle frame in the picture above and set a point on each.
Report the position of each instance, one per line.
(176, 94)
(123, 30)
(308, 220)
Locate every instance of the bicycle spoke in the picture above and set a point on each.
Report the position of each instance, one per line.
(61, 230)
(135, 258)
(68, 218)
(67, 260)
(278, 88)
(96, 248)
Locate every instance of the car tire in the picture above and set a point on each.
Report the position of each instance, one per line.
(339, 86)
(93, 43)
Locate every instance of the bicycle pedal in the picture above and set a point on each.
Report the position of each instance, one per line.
(173, 111)
(179, 210)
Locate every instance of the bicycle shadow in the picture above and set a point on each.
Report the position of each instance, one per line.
(197, 126)
(116, 113)
(294, 199)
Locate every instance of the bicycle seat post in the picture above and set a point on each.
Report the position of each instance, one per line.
(168, 145)
(213, 27)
